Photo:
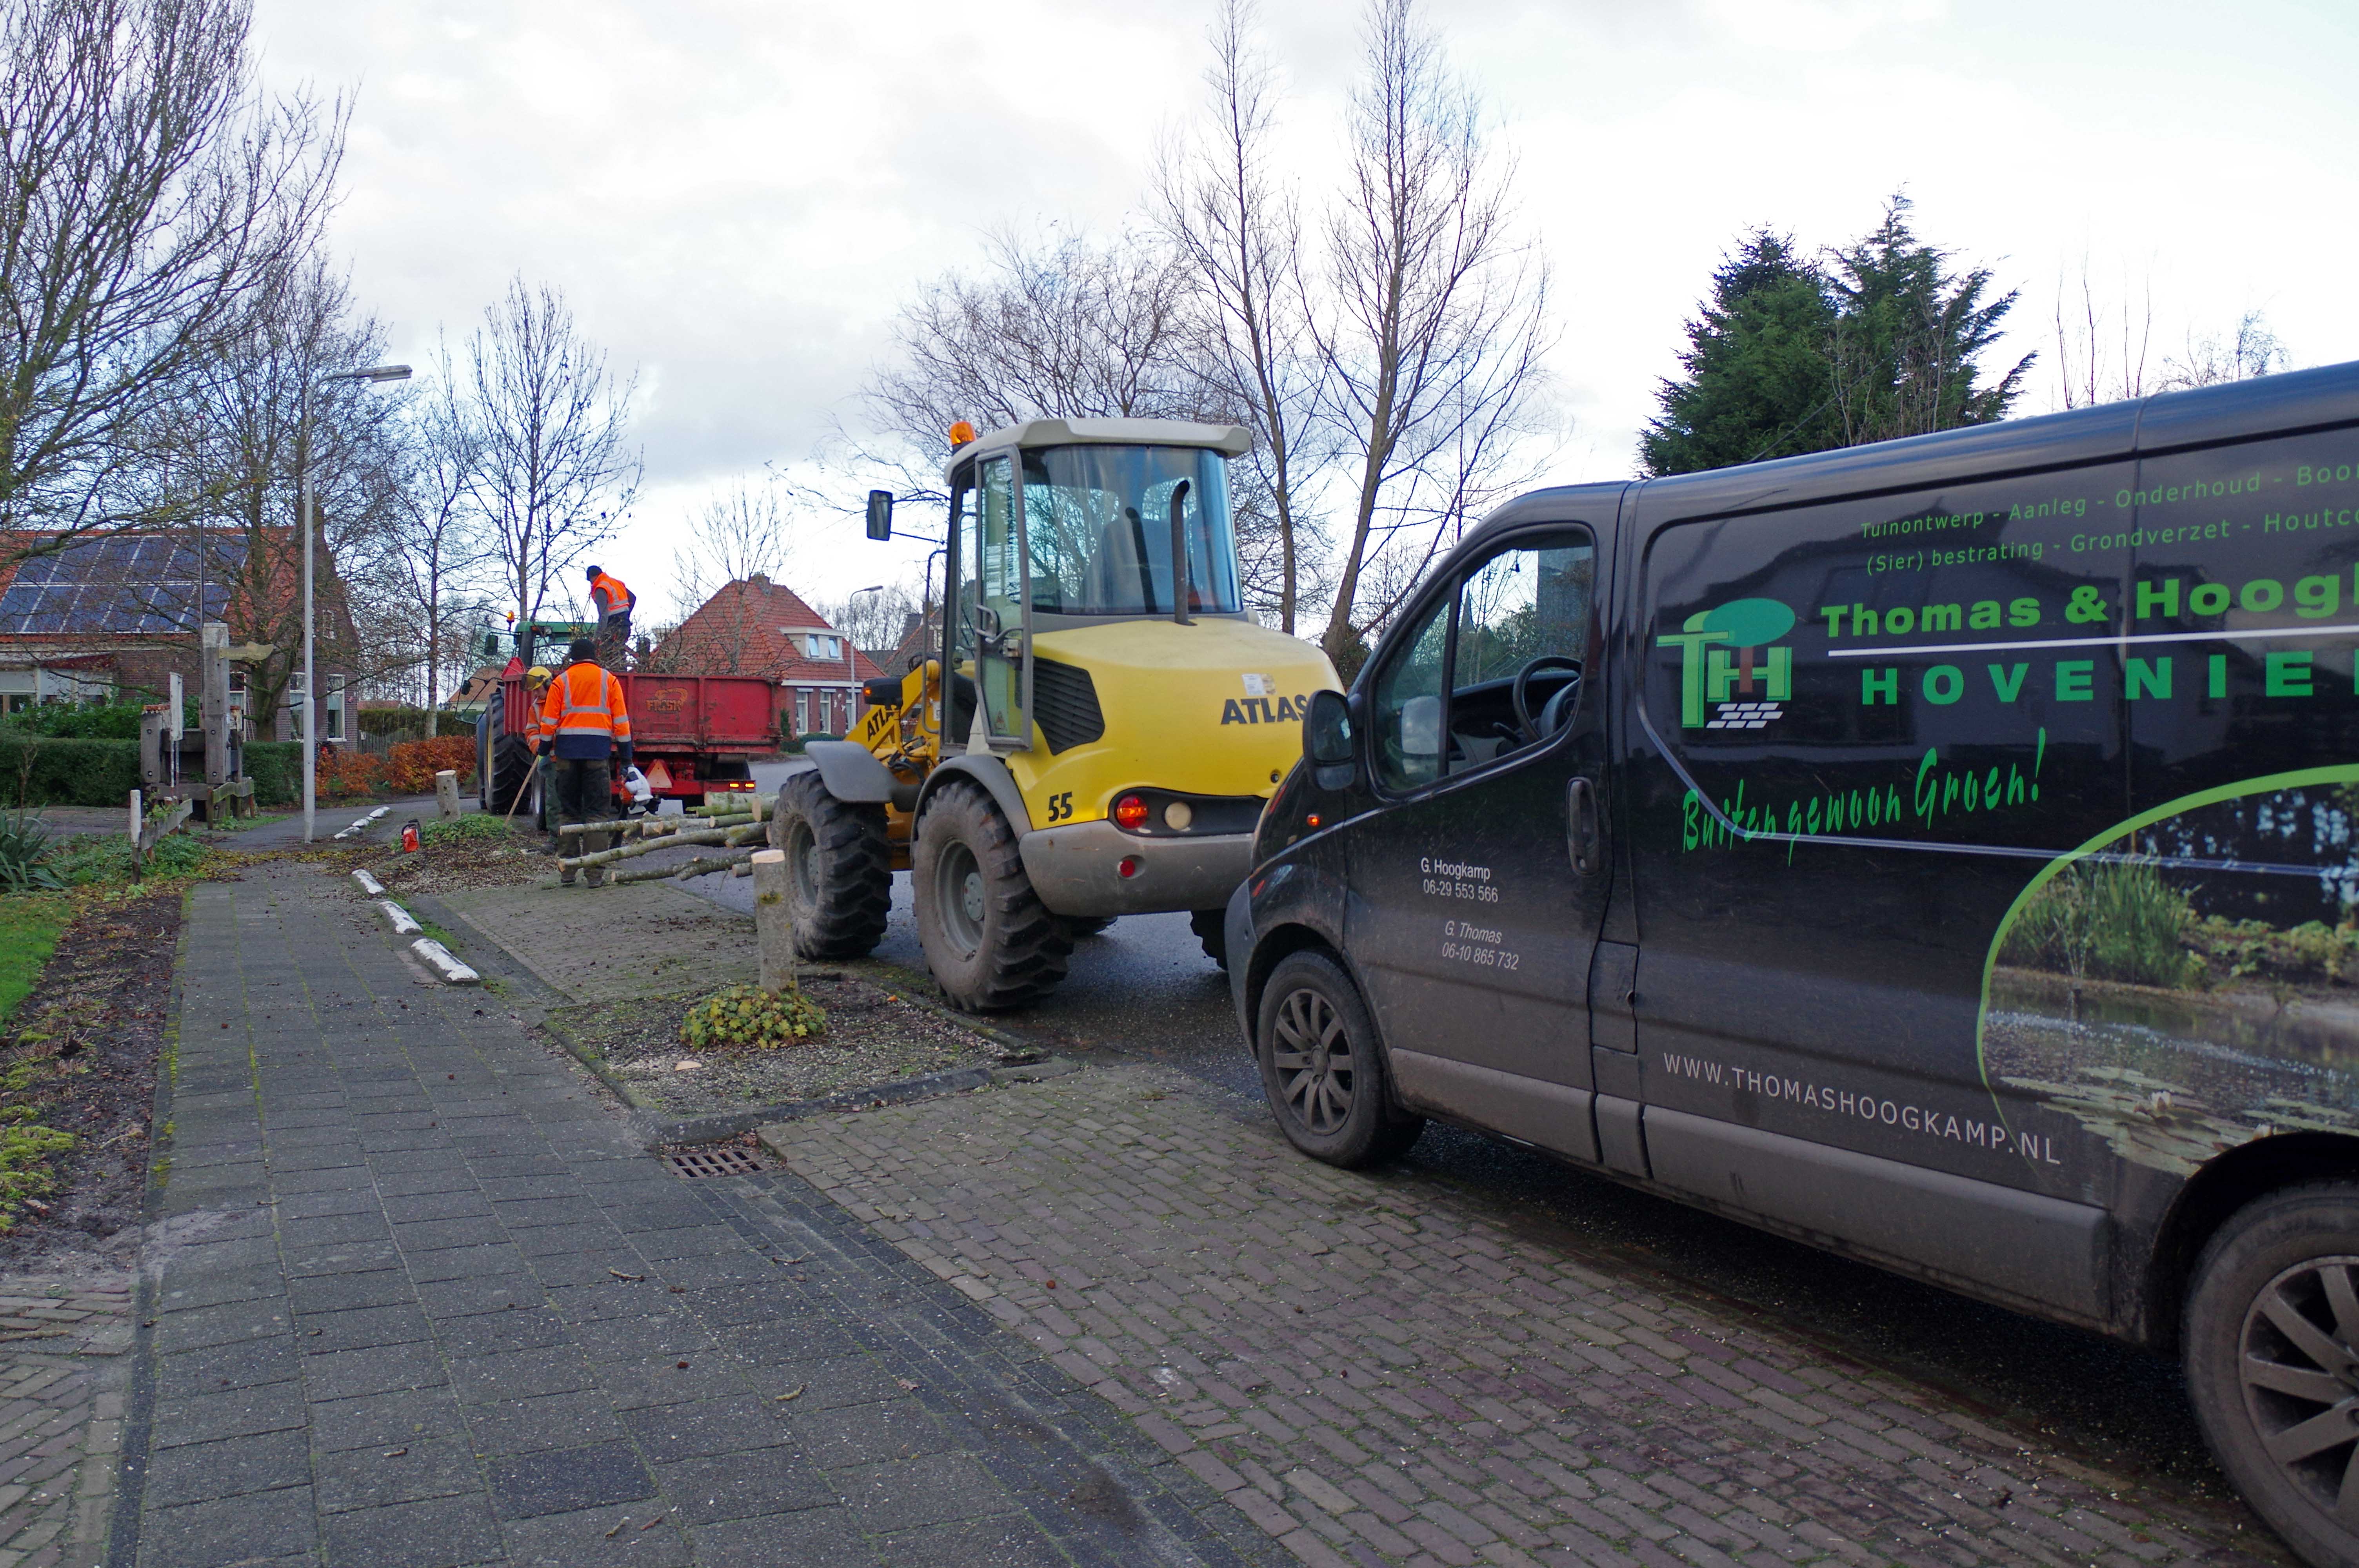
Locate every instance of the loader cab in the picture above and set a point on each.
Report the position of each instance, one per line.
(1058, 525)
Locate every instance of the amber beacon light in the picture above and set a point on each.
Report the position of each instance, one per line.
(961, 434)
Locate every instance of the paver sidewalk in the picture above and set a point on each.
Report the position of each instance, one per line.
(415, 1299)
(62, 1375)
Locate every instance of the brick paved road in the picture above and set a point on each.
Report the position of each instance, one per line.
(417, 1300)
(1373, 1371)
(62, 1375)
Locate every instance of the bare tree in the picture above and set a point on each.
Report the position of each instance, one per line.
(149, 200)
(721, 570)
(440, 545)
(2249, 350)
(1438, 320)
(745, 530)
(236, 434)
(1235, 225)
(873, 622)
(2085, 376)
(1063, 328)
(552, 475)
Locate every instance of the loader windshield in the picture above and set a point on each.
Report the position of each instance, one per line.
(1099, 522)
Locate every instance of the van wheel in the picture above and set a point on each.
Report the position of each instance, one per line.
(839, 869)
(1321, 1068)
(1210, 929)
(2272, 1351)
(989, 940)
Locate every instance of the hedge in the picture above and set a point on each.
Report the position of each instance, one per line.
(67, 773)
(411, 723)
(276, 769)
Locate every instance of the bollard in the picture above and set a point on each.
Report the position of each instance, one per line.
(446, 793)
(774, 924)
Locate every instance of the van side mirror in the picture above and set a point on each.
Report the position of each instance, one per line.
(1326, 741)
(880, 513)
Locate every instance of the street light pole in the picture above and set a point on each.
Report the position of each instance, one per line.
(310, 692)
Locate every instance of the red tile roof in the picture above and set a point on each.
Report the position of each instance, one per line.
(755, 626)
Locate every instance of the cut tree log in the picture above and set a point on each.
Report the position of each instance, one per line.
(644, 846)
(695, 868)
(625, 825)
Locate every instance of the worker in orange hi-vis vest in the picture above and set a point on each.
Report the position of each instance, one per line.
(611, 604)
(536, 694)
(583, 723)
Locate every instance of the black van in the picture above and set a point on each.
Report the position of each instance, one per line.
(1944, 851)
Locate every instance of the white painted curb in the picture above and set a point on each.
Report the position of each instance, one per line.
(372, 816)
(453, 972)
(402, 923)
(369, 884)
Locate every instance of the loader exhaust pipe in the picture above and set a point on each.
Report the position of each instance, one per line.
(1182, 578)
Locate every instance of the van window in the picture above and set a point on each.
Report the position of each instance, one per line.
(1408, 701)
(1444, 703)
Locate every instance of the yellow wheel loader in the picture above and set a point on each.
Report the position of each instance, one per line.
(1098, 737)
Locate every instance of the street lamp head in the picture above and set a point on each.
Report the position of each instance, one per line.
(872, 588)
(374, 373)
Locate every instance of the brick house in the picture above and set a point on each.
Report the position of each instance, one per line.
(113, 618)
(755, 626)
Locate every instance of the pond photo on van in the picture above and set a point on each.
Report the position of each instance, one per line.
(2191, 982)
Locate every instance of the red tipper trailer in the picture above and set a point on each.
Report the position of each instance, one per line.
(690, 735)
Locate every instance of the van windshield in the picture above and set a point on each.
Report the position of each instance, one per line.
(1098, 519)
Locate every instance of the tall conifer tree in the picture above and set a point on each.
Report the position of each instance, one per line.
(1758, 383)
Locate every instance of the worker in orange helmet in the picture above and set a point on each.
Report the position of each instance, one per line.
(611, 604)
(585, 722)
(536, 731)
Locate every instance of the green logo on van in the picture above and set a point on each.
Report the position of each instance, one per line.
(1725, 660)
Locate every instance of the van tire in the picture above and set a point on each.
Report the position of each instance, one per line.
(989, 940)
(2276, 1260)
(839, 869)
(1343, 1115)
(1212, 930)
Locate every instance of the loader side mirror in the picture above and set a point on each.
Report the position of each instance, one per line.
(880, 513)
(1326, 741)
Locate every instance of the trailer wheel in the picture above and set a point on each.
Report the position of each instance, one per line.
(2271, 1342)
(511, 765)
(1212, 930)
(839, 869)
(989, 940)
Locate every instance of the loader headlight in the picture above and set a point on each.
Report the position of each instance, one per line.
(1130, 813)
(1177, 816)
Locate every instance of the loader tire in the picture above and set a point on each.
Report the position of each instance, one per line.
(989, 940)
(839, 869)
(1079, 926)
(511, 765)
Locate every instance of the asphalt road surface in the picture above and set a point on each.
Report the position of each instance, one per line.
(1144, 989)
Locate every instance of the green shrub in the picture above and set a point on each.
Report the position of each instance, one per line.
(2106, 921)
(67, 721)
(107, 857)
(26, 850)
(66, 771)
(747, 1016)
(457, 829)
(413, 723)
(276, 769)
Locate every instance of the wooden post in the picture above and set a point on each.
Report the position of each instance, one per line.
(138, 823)
(446, 792)
(155, 734)
(774, 925)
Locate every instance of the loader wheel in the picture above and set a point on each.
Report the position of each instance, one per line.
(839, 869)
(1079, 926)
(511, 765)
(989, 940)
(1210, 930)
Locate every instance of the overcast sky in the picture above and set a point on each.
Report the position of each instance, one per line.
(737, 194)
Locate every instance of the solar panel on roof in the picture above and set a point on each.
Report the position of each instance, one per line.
(141, 583)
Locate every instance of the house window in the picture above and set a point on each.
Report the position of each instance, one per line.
(803, 710)
(335, 708)
(819, 647)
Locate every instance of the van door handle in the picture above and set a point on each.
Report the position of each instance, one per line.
(1580, 825)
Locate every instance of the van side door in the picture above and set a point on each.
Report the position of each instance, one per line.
(1475, 892)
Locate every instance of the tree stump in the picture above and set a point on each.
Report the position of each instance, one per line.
(773, 923)
(446, 793)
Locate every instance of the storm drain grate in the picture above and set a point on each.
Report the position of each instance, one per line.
(729, 1160)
